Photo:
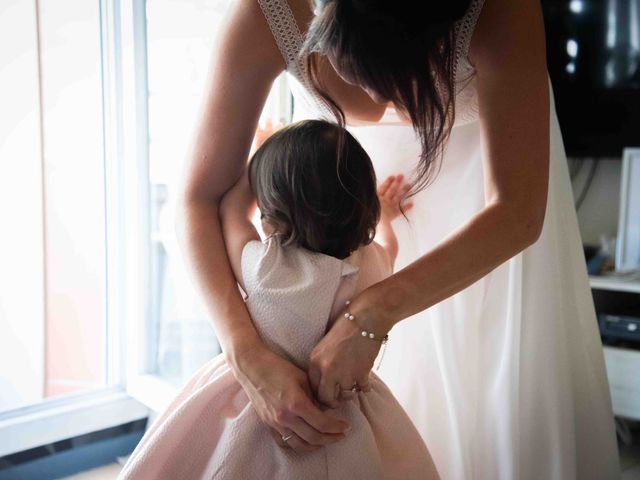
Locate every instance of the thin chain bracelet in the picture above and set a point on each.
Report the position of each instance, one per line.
(349, 316)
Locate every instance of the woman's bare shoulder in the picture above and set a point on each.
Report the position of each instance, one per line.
(252, 37)
(303, 12)
(355, 102)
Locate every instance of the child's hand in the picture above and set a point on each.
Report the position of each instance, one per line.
(264, 131)
(390, 193)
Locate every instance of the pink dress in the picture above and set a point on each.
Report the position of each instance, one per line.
(210, 430)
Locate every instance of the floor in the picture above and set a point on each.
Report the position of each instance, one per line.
(108, 472)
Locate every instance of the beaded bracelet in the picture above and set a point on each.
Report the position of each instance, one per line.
(349, 316)
(365, 333)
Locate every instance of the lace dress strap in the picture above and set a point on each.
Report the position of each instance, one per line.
(464, 29)
(466, 26)
(287, 35)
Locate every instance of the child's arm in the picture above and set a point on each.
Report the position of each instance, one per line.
(238, 207)
(390, 194)
(236, 211)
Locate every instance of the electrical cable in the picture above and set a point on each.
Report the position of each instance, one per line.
(587, 183)
(575, 167)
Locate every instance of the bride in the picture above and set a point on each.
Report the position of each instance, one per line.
(494, 350)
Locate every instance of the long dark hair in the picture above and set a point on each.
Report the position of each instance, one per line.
(404, 50)
(311, 196)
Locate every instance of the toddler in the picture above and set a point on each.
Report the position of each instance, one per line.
(320, 212)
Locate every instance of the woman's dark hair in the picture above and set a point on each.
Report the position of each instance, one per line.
(403, 50)
(312, 196)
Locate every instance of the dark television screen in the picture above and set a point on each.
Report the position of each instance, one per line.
(593, 54)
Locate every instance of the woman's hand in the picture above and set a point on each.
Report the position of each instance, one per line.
(344, 358)
(281, 395)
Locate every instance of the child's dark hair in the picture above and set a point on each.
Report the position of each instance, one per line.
(315, 185)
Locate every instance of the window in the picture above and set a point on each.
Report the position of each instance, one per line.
(98, 317)
(61, 361)
(179, 40)
(180, 37)
(52, 202)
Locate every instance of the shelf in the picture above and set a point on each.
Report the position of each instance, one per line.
(619, 284)
(623, 366)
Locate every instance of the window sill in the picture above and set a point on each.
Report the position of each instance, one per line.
(67, 417)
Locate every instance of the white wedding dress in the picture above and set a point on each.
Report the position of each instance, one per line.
(506, 379)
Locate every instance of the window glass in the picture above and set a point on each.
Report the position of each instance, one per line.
(52, 209)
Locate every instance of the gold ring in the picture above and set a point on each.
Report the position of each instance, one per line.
(287, 437)
(355, 388)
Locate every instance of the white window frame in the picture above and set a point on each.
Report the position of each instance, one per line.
(151, 390)
(133, 392)
(130, 208)
(71, 415)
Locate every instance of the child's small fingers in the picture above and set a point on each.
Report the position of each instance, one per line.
(390, 179)
(393, 187)
(399, 179)
(407, 206)
(384, 186)
(400, 192)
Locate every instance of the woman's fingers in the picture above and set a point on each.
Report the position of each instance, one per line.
(319, 420)
(307, 427)
(278, 437)
(280, 393)
(364, 385)
(328, 391)
(347, 394)
(293, 442)
(299, 445)
(312, 436)
(314, 379)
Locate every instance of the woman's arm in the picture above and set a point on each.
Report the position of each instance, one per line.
(243, 67)
(509, 54)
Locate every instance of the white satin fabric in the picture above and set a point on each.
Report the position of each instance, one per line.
(506, 379)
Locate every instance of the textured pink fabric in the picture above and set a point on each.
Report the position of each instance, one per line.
(210, 430)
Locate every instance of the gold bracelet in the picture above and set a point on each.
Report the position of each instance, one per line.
(365, 333)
